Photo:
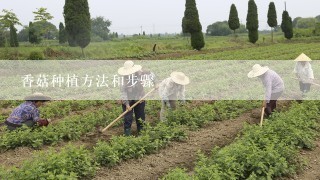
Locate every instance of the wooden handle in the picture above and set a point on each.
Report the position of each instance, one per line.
(121, 115)
(262, 113)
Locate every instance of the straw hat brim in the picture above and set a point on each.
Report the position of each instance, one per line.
(173, 76)
(303, 57)
(124, 72)
(37, 97)
(263, 70)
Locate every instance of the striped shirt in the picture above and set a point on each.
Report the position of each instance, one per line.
(272, 83)
(24, 112)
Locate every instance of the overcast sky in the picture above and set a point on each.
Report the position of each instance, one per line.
(160, 16)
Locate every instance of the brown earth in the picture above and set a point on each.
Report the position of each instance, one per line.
(179, 154)
(312, 170)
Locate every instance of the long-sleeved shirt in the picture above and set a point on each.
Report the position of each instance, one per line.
(168, 89)
(133, 87)
(272, 83)
(304, 72)
(24, 112)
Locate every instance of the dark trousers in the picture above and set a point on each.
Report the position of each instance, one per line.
(271, 106)
(304, 87)
(12, 127)
(138, 113)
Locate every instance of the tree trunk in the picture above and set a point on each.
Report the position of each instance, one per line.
(82, 53)
(271, 34)
(234, 33)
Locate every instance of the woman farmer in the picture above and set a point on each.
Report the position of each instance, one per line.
(304, 73)
(273, 85)
(170, 89)
(28, 113)
(132, 90)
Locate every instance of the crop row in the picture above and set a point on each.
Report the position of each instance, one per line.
(262, 153)
(53, 166)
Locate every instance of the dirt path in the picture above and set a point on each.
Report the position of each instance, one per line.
(311, 171)
(181, 154)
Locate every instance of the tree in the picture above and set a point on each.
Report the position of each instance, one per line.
(306, 23)
(100, 27)
(33, 37)
(23, 35)
(252, 22)
(46, 29)
(2, 36)
(295, 21)
(233, 22)
(191, 24)
(272, 18)
(190, 21)
(42, 16)
(77, 22)
(13, 36)
(286, 25)
(9, 18)
(222, 29)
(197, 40)
(62, 34)
(318, 18)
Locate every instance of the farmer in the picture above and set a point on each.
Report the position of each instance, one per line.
(304, 73)
(170, 89)
(132, 90)
(273, 84)
(28, 113)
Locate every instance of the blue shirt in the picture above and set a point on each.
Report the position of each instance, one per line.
(24, 112)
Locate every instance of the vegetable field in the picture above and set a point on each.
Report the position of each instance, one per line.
(200, 140)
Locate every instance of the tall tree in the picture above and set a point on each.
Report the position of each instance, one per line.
(252, 22)
(286, 25)
(8, 20)
(272, 18)
(33, 37)
(100, 27)
(62, 34)
(77, 22)
(233, 21)
(191, 24)
(13, 36)
(41, 15)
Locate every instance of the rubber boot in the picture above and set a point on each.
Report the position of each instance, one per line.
(127, 132)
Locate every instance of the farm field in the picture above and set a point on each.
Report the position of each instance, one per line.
(73, 148)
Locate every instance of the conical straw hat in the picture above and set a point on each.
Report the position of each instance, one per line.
(302, 57)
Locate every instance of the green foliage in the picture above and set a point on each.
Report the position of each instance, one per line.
(63, 36)
(197, 40)
(272, 18)
(42, 15)
(286, 25)
(253, 36)
(233, 21)
(36, 55)
(9, 18)
(70, 163)
(272, 15)
(317, 29)
(222, 29)
(303, 32)
(267, 152)
(34, 37)
(23, 35)
(252, 21)
(2, 38)
(122, 148)
(77, 22)
(305, 23)
(13, 37)
(100, 27)
(190, 21)
(45, 29)
(177, 174)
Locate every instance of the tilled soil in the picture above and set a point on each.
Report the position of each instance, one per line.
(179, 154)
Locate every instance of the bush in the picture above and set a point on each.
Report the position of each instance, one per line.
(36, 55)
(197, 40)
